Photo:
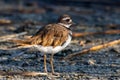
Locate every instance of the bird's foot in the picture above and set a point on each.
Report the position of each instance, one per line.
(55, 74)
(52, 76)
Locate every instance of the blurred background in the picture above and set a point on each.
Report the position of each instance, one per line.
(84, 12)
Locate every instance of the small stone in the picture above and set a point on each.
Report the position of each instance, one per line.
(91, 62)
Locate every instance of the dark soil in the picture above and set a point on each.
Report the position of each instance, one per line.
(29, 17)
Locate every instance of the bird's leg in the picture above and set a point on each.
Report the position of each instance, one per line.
(52, 66)
(51, 63)
(45, 67)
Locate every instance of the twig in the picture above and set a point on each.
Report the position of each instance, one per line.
(19, 47)
(77, 34)
(3, 73)
(5, 21)
(94, 48)
(34, 74)
(8, 37)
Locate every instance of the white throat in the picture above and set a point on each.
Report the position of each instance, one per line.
(66, 25)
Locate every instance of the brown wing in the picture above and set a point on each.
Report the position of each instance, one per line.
(50, 35)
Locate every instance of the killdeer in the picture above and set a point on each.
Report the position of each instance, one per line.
(51, 38)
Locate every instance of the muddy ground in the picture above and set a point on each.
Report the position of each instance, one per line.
(103, 64)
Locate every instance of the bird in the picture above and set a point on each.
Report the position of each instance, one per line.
(51, 39)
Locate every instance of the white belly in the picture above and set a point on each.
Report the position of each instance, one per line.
(50, 49)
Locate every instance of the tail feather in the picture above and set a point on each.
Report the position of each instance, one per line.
(21, 42)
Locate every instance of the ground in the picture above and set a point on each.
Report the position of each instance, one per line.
(103, 64)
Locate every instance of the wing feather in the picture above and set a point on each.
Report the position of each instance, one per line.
(51, 35)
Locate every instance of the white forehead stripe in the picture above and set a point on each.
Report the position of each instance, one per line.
(65, 18)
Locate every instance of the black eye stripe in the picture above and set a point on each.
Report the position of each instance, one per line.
(67, 20)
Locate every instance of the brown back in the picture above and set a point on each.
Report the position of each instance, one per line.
(50, 35)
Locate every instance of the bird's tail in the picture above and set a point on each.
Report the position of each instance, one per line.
(21, 42)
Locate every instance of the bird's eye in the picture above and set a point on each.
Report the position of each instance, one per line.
(67, 20)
